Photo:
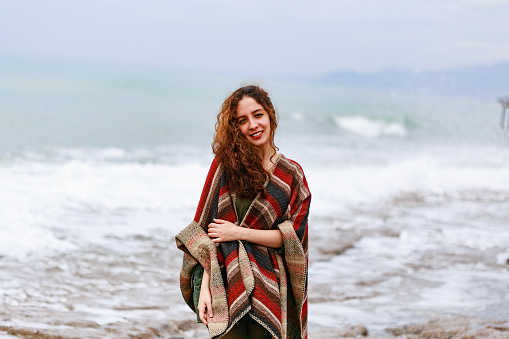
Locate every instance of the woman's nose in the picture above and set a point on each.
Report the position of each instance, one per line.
(251, 123)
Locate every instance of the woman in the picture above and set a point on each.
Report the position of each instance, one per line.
(250, 230)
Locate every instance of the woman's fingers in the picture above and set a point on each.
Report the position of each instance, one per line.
(214, 234)
(202, 313)
(205, 307)
(208, 304)
(205, 312)
(212, 231)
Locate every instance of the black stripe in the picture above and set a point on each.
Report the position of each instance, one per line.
(228, 248)
(302, 227)
(281, 198)
(262, 259)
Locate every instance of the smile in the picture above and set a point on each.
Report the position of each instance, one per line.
(256, 135)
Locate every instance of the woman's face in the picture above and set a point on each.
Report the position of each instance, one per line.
(254, 122)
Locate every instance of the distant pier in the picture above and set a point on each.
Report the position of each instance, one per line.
(504, 118)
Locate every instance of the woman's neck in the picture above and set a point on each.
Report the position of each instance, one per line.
(268, 159)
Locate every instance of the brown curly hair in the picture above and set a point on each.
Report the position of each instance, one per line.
(242, 161)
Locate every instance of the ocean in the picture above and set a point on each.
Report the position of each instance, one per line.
(102, 164)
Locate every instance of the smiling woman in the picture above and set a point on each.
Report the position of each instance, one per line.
(245, 262)
(244, 139)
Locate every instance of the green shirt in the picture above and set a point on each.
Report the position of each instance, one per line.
(242, 206)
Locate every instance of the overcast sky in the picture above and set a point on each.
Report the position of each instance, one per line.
(263, 36)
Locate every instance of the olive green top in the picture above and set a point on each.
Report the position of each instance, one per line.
(242, 205)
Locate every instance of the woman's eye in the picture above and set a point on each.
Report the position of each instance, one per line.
(242, 121)
(258, 115)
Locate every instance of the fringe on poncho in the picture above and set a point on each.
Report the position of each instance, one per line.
(268, 284)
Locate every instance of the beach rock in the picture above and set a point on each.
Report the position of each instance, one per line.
(352, 331)
(29, 333)
(141, 336)
(460, 327)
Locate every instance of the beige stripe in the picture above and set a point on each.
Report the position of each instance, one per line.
(222, 202)
(224, 205)
(281, 185)
(232, 268)
(246, 269)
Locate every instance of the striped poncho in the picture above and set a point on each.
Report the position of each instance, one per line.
(268, 284)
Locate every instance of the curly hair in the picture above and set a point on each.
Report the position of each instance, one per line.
(242, 161)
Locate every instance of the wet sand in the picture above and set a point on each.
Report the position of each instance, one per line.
(452, 328)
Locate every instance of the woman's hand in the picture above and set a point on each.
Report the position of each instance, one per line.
(205, 299)
(222, 230)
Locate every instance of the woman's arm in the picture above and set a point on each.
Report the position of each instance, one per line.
(205, 299)
(222, 230)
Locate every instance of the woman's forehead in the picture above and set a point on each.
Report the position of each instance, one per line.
(248, 105)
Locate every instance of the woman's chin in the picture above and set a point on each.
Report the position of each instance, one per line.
(259, 143)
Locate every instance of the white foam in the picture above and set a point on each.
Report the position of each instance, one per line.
(101, 316)
(43, 199)
(337, 188)
(460, 288)
(54, 204)
(21, 241)
(337, 315)
(370, 128)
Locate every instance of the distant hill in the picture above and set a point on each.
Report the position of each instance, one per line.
(479, 81)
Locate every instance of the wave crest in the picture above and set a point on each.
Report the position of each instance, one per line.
(370, 128)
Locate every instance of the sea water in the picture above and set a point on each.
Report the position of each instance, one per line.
(101, 165)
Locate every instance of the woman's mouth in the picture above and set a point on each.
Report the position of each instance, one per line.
(256, 135)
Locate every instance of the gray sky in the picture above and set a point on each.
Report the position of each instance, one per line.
(263, 36)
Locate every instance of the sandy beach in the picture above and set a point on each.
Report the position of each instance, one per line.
(452, 328)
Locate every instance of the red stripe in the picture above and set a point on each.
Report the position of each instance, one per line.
(235, 291)
(220, 257)
(285, 177)
(206, 190)
(223, 189)
(231, 257)
(274, 307)
(253, 222)
(230, 216)
(304, 310)
(273, 260)
(275, 205)
(302, 214)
